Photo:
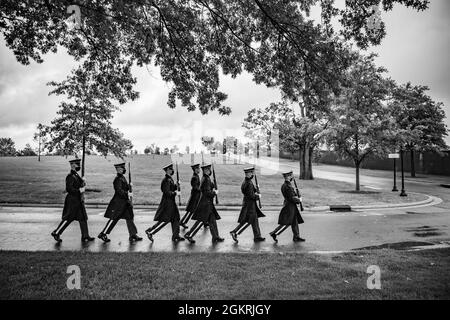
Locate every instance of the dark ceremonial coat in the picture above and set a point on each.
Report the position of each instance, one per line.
(73, 206)
(167, 210)
(120, 206)
(205, 207)
(195, 193)
(290, 211)
(250, 210)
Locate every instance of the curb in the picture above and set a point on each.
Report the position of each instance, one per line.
(429, 200)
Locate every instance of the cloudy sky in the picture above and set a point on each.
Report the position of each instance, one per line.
(416, 49)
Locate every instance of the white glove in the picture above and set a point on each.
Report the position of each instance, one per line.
(82, 190)
(131, 184)
(84, 179)
(258, 195)
(130, 194)
(216, 191)
(177, 193)
(301, 200)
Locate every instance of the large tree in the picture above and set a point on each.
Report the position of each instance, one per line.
(362, 124)
(302, 135)
(192, 41)
(7, 147)
(83, 122)
(420, 120)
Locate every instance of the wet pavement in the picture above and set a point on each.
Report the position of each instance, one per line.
(29, 229)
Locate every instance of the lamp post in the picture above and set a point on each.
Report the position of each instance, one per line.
(403, 193)
(394, 189)
(394, 156)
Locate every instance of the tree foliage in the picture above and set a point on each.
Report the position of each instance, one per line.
(420, 120)
(7, 147)
(192, 41)
(27, 151)
(86, 117)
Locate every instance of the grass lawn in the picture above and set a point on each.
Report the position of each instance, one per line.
(404, 275)
(25, 180)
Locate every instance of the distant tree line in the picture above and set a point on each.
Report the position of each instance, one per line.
(8, 149)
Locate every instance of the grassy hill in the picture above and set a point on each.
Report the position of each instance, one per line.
(25, 180)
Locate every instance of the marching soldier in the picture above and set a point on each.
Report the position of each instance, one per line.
(205, 212)
(120, 207)
(289, 215)
(250, 211)
(74, 208)
(195, 196)
(168, 209)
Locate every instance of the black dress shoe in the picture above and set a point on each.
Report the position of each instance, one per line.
(274, 236)
(135, 238)
(149, 235)
(218, 239)
(177, 239)
(56, 237)
(103, 237)
(234, 236)
(298, 239)
(87, 239)
(259, 239)
(189, 238)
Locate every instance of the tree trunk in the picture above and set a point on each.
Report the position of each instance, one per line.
(39, 150)
(413, 167)
(305, 159)
(357, 162)
(268, 140)
(358, 187)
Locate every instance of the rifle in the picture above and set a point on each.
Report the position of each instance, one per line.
(257, 190)
(215, 182)
(178, 185)
(129, 181)
(298, 194)
(82, 193)
(82, 185)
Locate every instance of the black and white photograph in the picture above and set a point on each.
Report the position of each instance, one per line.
(219, 158)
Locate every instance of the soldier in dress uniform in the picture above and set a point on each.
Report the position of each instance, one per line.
(250, 211)
(120, 207)
(74, 208)
(205, 212)
(289, 215)
(167, 210)
(195, 196)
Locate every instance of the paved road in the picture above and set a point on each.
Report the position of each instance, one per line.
(29, 228)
